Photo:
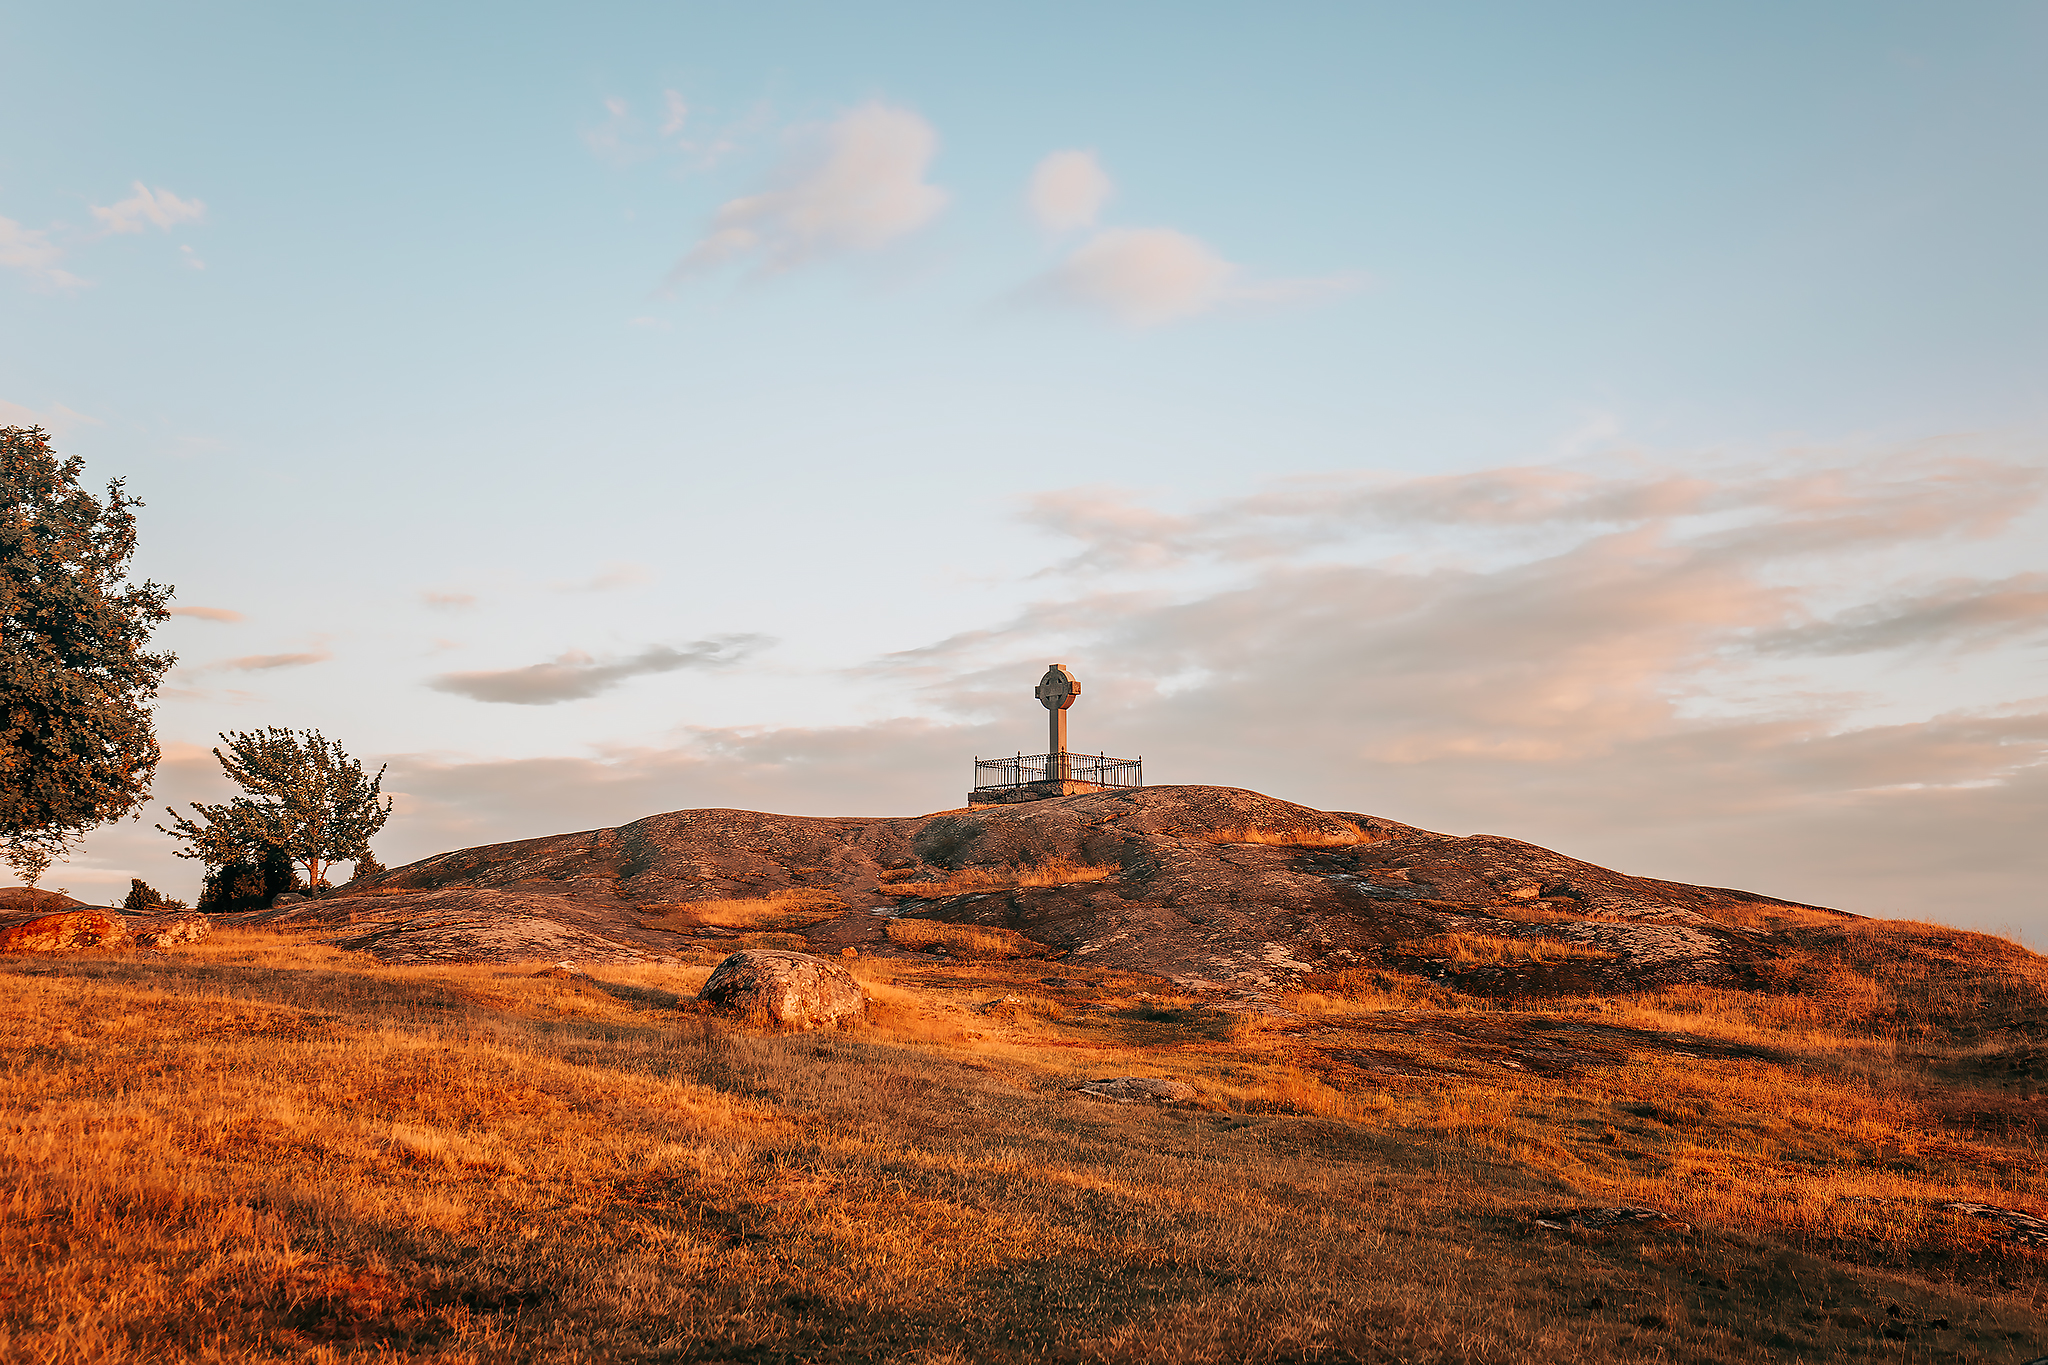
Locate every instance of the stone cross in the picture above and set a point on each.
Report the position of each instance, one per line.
(1057, 690)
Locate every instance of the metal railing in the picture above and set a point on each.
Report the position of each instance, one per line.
(1024, 769)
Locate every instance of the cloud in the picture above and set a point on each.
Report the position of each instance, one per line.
(610, 141)
(1142, 277)
(576, 676)
(157, 208)
(1741, 512)
(1565, 655)
(258, 663)
(31, 251)
(58, 420)
(613, 576)
(207, 613)
(1965, 615)
(676, 114)
(192, 260)
(1146, 277)
(1068, 190)
(856, 184)
(449, 601)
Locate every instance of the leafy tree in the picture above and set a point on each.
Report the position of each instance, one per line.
(368, 866)
(76, 678)
(308, 801)
(141, 896)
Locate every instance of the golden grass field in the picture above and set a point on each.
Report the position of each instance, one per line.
(263, 1149)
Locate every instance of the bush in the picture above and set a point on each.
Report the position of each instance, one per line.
(141, 896)
(249, 883)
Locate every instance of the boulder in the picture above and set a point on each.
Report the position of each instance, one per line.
(165, 930)
(793, 989)
(65, 931)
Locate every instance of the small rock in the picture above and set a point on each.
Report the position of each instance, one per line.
(1125, 1089)
(849, 952)
(1629, 1216)
(162, 933)
(562, 971)
(795, 990)
(65, 931)
(285, 898)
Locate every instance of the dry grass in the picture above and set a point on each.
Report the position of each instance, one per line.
(1773, 918)
(262, 1149)
(1288, 838)
(792, 909)
(967, 940)
(1486, 948)
(1053, 872)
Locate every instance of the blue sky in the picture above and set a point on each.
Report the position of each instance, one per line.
(1617, 426)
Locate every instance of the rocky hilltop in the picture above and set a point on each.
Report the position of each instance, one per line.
(1213, 887)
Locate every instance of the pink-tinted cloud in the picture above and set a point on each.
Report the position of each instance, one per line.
(263, 663)
(855, 185)
(147, 208)
(1628, 663)
(30, 251)
(1068, 190)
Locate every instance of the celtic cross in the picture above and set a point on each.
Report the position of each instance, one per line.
(1056, 691)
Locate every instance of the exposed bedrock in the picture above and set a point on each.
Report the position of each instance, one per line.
(1212, 886)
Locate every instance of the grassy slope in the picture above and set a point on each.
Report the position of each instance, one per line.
(261, 1148)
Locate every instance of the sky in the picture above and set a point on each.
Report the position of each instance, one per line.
(1616, 426)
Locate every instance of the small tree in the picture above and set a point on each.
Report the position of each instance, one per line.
(308, 801)
(76, 679)
(141, 896)
(367, 866)
(31, 860)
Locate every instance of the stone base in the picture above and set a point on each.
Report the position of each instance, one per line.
(1031, 791)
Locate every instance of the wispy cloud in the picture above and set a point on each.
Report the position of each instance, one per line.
(1148, 277)
(612, 140)
(608, 579)
(57, 418)
(207, 613)
(1739, 513)
(1142, 277)
(449, 601)
(30, 251)
(856, 184)
(675, 113)
(262, 663)
(1068, 190)
(147, 208)
(576, 676)
(1968, 614)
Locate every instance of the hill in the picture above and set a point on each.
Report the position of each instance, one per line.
(1213, 887)
(1398, 1096)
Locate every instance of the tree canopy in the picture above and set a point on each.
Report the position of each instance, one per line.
(306, 798)
(77, 746)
